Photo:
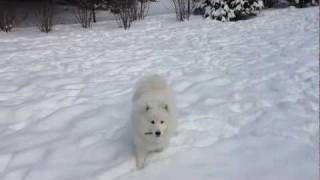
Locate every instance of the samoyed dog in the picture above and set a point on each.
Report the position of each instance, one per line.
(153, 117)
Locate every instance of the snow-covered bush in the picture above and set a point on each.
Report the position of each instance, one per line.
(228, 10)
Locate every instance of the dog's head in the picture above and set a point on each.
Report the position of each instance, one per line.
(156, 119)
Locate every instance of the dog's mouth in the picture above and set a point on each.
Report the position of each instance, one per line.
(157, 133)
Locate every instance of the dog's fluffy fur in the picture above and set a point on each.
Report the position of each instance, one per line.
(153, 116)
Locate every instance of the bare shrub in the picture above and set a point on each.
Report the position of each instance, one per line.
(7, 16)
(124, 10)
(84, 13)
(182, 9)
(45, 13)
(142, 7)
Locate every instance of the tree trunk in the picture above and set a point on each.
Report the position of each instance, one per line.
(93, 11)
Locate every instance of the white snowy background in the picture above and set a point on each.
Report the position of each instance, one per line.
(247, 95)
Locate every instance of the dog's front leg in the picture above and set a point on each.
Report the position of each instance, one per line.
(140, 158)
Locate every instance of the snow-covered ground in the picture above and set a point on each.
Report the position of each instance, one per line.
(247, 95)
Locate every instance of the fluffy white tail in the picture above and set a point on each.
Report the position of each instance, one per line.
(149, 84)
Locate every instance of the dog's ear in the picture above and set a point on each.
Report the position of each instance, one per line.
(147, 108)
(165, 107)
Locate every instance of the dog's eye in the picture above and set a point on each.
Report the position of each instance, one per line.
(147, 108)
(161, 122)
(166, 108)
(152, 122)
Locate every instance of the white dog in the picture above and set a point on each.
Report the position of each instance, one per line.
(153, 116)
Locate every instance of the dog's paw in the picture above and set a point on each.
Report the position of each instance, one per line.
(139, 164)
(140, 158)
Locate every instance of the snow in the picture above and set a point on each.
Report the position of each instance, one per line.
(247, 95)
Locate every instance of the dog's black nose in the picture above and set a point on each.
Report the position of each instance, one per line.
(158, 133)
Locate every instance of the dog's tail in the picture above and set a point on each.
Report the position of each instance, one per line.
(150, 84)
